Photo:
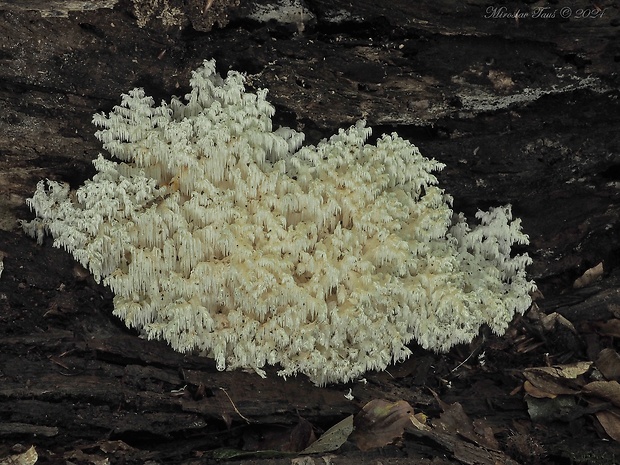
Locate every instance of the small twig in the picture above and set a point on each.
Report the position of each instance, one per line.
(55, 360)
(473, 352)
(208, 4)
(67, 352)
(234, 406)
(71, 371)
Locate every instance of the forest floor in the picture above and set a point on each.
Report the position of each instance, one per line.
(81, 388)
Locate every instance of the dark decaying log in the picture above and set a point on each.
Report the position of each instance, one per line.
(521, 109)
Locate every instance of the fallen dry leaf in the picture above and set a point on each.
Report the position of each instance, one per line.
(455, 420)
(609, 328)
(570, 371)
(285, 439)
(537, 392)
(483, 430)
(467, 441)
(610, 421)
(608, 390)
(300, 437)
(110, 447)
(550, 321)
(608, 363)
(28, 457)
(589, 276)
(333, 438)
(557, 379)
(419, 422)
(380, 423)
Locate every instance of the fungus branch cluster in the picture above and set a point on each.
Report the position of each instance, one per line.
(219, 234)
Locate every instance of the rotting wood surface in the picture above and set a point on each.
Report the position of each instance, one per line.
(521, 110)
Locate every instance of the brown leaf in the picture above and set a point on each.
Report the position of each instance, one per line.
(485, 432)
(333, 438)
(589, 276)
(609, 328)
(610, 421)
(549, 322)
(609, 390)
(380, 423)
(608, 363)
(418, 421)
(468, 442)
(536, 392)
(110, 447)
(282, 438)
(301, 436)
(570, 371)
(553, 380)
(29, 457)
(455, 420)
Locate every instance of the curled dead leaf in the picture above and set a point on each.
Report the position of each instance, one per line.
(419, 422)
(381, 422)
(590, 275)
(550, 321)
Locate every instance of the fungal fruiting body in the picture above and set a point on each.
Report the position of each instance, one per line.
(218, 234)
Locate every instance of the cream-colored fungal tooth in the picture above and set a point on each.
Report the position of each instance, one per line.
(217, 234)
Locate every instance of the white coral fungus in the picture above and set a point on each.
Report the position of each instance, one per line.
(217, 234)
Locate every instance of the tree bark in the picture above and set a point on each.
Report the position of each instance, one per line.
(522, 108)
